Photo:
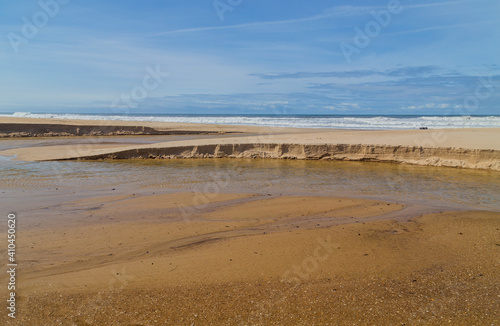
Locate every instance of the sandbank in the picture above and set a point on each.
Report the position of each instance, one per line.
(165, 257)
(465, 148)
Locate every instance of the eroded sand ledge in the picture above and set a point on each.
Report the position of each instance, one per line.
(139, 254)
(462, 148)
(15, 130)
(449, 157)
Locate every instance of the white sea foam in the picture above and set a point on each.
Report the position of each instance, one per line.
(305, 121)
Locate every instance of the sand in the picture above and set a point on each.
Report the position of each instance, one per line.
(464, 148)
(250, 259)
(183, 258)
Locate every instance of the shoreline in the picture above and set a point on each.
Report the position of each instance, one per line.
(458, 148)
(41, 124)
(173, 248)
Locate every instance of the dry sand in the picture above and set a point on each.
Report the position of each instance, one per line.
(254, 258)
(465, 148)
(248, 259)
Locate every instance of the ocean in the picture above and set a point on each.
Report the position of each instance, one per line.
(451, 188)
(369, 122)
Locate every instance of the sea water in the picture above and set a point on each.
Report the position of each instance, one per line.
(447, 186)
(369, 122)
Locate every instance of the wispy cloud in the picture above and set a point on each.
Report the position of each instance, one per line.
(242, 26)
(431, 106)
(438, 4)
(398, 72)
(272, 55)
(333, 12)
(433, 28)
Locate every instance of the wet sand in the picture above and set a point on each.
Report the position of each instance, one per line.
(145, 256)
(464, 148)
(256, 259)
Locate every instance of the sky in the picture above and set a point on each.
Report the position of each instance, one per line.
(250, 57)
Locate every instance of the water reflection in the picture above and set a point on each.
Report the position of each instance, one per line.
(474, 189)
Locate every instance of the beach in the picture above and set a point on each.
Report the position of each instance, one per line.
(477, 148)
(152, 223)
(234, 162)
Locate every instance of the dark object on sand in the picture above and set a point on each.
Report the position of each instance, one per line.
(423, 128)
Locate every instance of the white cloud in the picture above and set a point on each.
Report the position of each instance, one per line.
(430, 106)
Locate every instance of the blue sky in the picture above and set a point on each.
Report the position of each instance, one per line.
(262, 57)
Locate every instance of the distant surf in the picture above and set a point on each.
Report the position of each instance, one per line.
(385, 122)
